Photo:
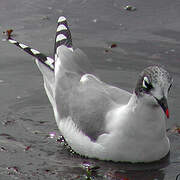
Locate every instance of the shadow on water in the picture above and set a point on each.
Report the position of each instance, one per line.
(134, 171)
(95, 169)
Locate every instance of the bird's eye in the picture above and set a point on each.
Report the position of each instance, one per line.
(146, 84)
(169, 88)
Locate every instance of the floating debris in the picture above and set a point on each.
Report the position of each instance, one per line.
(175, 129)
(114, 45)
(8, 122)
(9, 33)
(13, 169)
(27, 148)
(130, 8)
(2, 149)
(91, 170)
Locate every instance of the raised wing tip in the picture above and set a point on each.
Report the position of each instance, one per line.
(63, 35)
(47, 61)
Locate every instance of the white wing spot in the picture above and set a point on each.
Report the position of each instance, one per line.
(52, 66)
(60, 37)
(49, 61)
(12, 41)
(61, 19)
(35, 51)
(61, 27)
(23, 46)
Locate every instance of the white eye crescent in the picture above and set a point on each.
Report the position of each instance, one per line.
(145, 81)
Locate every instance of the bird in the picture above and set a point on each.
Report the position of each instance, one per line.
(99, 120)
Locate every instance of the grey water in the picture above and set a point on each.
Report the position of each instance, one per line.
(147, 36)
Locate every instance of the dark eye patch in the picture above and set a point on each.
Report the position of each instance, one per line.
(148, 85)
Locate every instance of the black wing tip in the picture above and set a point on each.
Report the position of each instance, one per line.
(63, 34)
(11, 40)
(47, 61)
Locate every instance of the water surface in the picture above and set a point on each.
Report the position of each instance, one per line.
(150, 35)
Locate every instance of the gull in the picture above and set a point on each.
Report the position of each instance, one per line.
(99, 120)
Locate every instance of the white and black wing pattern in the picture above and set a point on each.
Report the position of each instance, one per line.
(63, 35)
(47, 61)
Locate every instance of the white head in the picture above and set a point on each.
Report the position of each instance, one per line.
(155, 82)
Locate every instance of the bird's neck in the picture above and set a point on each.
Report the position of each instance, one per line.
(141, 115)
(138, 130)
(146, 113)
(145, 105)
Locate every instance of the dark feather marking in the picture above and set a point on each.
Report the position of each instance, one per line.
(67, 42)
(41, 57)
